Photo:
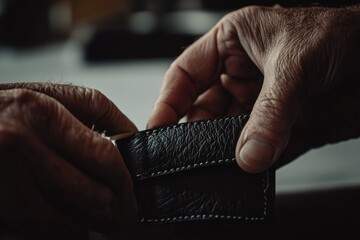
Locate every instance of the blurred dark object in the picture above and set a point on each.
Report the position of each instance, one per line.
(124, 28)
(148, 35)
(164, 28)
(233, 5)
(26, 24)
(110, 45)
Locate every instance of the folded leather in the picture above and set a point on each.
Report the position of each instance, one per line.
(188, 172)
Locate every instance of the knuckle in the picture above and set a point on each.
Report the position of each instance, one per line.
(232, 19)
(17, 103)
(95, 96)
(277, 114)
(102, 105)
(244, 14)
(277, 103)
(98, 100)
(33, 101)
(255, 28)
(252, 10)
(271, 106)
(24, 96)
(51, 89)
(30, 100)
(34, 108)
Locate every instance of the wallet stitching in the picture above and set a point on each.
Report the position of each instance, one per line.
(190, 166)
(186, 124)
(265, 178)
(187, 167)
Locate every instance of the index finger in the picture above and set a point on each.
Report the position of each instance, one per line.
(194, 71)
(88, 105)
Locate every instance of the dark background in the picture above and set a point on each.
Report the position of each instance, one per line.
(27, 24)
(120, 31)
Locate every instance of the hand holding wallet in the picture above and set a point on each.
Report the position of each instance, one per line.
(188, 172)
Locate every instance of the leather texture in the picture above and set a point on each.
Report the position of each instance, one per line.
(188, 172)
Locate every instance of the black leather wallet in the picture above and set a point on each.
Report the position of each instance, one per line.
(188, 172)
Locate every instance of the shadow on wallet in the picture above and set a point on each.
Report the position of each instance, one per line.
(321, 214)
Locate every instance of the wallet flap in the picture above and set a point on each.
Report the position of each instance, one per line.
(188, 171)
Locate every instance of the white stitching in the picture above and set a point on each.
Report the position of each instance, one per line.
(265, 188)
(203, 217)
(217, 216)
(178, 169)
(152, 131)
(206, 163)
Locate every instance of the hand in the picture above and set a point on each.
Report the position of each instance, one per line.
(294, 70)
(58, 175)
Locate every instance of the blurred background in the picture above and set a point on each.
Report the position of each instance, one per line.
(124, 47)
(120, 29)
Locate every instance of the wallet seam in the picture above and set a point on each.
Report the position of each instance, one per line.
(187, 167)
(265, 185)
(146, 173)
(147, 133)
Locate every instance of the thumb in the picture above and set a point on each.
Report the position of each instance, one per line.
(268, 129)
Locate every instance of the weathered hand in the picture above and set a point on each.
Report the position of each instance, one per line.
(293, 69)
(58, 174)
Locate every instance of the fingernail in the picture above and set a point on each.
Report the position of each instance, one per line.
(256, 156)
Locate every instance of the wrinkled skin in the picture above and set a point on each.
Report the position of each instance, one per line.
(294, 70)
(59, 177)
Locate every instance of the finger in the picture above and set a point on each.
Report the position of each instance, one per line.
(89, 105)
(71, 190)
(240, 66)
(189, 75)
(58, 129)
(212, 103)
(24, 209)
(245, 91)
(267, 132)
